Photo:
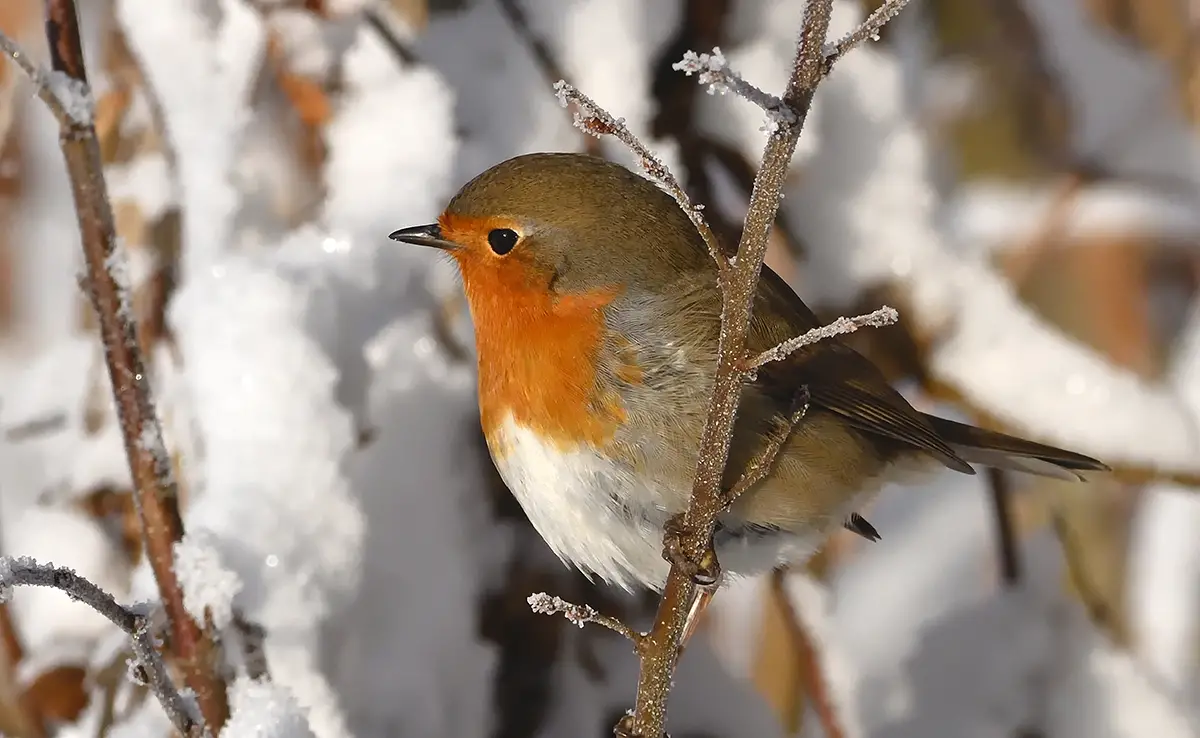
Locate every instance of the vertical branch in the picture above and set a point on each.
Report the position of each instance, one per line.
(688, 538)
(660, 648)
(150, 467)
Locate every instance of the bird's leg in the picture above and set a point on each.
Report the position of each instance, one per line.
(705, 572)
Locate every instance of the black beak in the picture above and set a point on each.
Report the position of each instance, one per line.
(424, 235)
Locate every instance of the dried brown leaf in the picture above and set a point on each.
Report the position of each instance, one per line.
(58, 695)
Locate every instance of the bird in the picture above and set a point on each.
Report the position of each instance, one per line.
(597, 314)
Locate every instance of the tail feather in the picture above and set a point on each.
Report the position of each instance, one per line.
(991, 448)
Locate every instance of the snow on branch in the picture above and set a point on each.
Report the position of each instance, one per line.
(591, 118)
(882, 201)
(277, 510)
(1064, 392)
(884, 316)
(202, 72)
(868, 29)
(25, 572)
(688, 540)
(69, 100)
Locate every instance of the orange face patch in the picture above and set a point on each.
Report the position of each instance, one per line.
(537, 350)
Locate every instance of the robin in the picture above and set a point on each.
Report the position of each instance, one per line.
(597, 312)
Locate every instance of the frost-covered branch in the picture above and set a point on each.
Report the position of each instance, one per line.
(591, 118)
(107, 285)
(868, 29)
(689, 540)
(544, 604)
(875, 319)
(25, 572)
(714, 72)
(68, 101)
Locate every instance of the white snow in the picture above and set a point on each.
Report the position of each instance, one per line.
(201, 72)
(272, 498)
(146, 180)
(74, 96)
(375, 189)
(209, 588)
(1164, 580)
(260, 709)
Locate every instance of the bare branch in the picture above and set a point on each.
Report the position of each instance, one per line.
(25, 571)
(662, 645)
(739, 285)
(107, 287)
(593, 119)
(760, 466)
(544, 604)
(875, 319)
(868, 29)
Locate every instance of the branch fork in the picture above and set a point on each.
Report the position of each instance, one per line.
(688, 542)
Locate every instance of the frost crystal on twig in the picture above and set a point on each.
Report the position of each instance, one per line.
(580, 615)
(24, 571)
(591, 118)
(868, 29)
(714, 72)
(876, 319)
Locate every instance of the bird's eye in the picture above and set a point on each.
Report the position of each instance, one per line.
(502, 240)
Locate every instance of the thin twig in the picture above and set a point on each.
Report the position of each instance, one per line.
(29, 573)
(661, 648)
(714, 72)
(868, 29)
(544, 604)
(593, 119)
(739, 286)
(42, 82)
(106, 285)
(874, 319)
(760, 466)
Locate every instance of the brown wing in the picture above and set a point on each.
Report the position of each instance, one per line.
(839, 379)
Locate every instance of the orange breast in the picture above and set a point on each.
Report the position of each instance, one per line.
(537, 355)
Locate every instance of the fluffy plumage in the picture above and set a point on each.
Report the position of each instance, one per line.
(597, 341)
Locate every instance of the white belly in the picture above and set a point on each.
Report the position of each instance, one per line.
(571, 497)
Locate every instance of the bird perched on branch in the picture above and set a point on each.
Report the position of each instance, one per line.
(597, 313)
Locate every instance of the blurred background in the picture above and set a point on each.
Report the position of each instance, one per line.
(1020, 178)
